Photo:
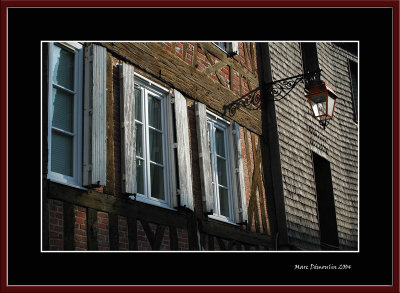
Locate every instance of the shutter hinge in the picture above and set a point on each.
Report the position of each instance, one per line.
(172, 100)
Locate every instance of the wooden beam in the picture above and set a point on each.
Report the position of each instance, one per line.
(69, 224)
(110, 180)
(255, 185)
(212, 64)
(92, 229)
(184, 50)
(195, 55)
(132, 233)
(221, 244)
(158, 237)
(213, 68)
(230, 61)
(171, 70)
(173, 238)
(113, 231)
(220, 230)
(149, 233)
(173, 48)
(111, 204)
(252, 62)
(210, 242)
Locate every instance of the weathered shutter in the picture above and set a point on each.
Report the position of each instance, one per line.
(171, 148)
(128, 142)
(95, 140)
(239, 190)
(234, 48)
(183, 151)
(204, 157)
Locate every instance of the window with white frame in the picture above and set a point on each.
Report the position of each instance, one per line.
(231, 48)
(151, 143)
(222, 45)
(220, 167)
(65, 112)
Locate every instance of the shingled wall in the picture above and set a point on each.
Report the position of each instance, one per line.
(300, 135)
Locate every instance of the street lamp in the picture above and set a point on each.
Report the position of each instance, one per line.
(322, 102)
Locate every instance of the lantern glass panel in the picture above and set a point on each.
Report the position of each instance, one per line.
(331, 106)
(318, 105)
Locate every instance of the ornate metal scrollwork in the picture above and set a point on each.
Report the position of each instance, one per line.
(250, 101)
(278, 89)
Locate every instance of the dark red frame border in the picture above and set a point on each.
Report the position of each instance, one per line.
(206, 3)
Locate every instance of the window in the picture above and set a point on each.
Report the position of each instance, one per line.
(223, 45)
(326, 203)
(310, 59)
(220, 167)
(353, 71)
(65, 112)
(151, 143)
(231, 48)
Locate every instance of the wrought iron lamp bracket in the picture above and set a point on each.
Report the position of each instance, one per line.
(278, 89)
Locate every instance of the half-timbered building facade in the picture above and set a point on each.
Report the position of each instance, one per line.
(169, 146)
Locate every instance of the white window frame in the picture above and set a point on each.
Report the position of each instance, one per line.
(217, 122)
(229, 48)
(223, 49)
(77, 49)
(148, 87)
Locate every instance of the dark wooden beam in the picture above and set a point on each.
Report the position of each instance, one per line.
(113, 231)
(69, 224)
(132, 233)
(92, 229)
(161, 64)
(227, 232)
(173, 238)
(271, 152)
(112, 204)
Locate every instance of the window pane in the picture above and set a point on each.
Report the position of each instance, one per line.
(63, 67)
(138, 104)
(157, 181)
(154, 112)
(63, 110)
(221, 165)
(155, 141)
(139, 139)
(219, 142)
(209, 140)
(62, 153)
(223, 202)
(140, 176)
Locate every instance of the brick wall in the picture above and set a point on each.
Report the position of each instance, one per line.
(56, 225)
(123, 233)
(80, 235)
(103, 238)
(229, 77)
